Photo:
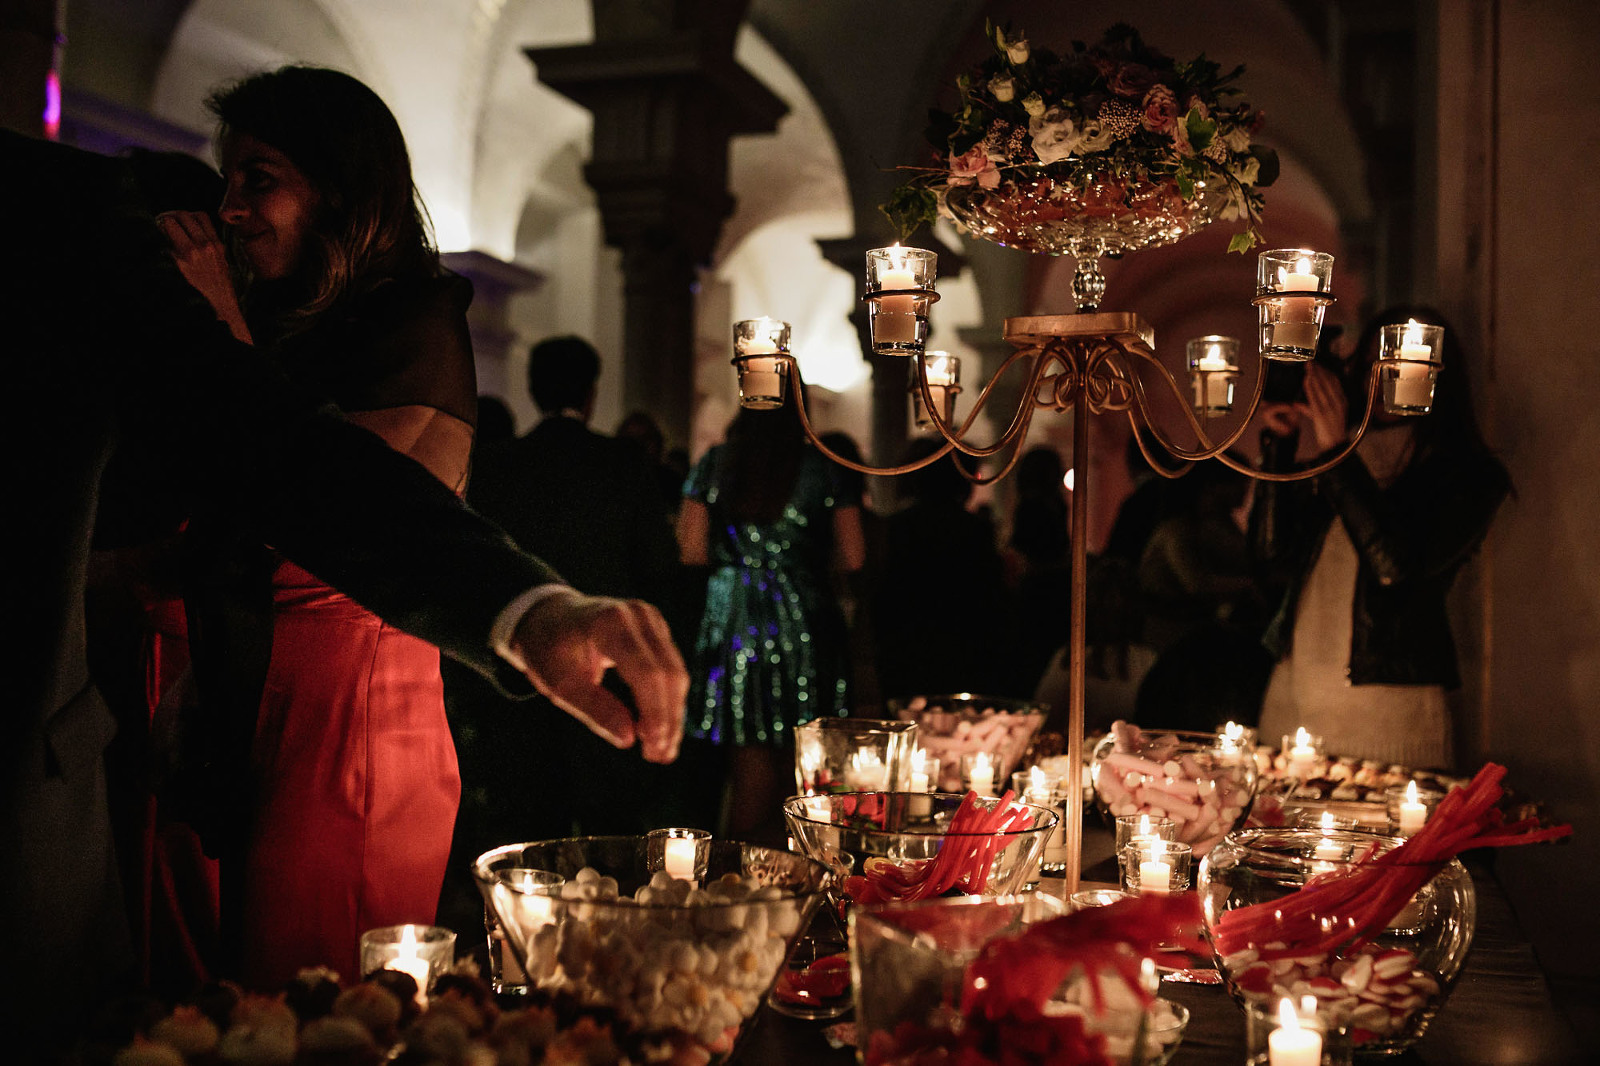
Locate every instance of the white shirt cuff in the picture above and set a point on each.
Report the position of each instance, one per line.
(505, 623)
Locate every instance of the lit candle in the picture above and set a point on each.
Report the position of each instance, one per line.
(1230, 744)
(1290, 1044)
(1411, 385)
(867, 772)
(942, 370)
(896, 320)
(1328, 849)
(1413, 812)
(982, 775)
(1155, 875)
(1302, 755)
(1297, 323)
(760, 376)
(678, 857)
(410, 960)
(1211, 380)
(919, 771)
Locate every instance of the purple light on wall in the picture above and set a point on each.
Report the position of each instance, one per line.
(52, 105)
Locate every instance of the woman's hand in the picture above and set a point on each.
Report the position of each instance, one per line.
(1280, 419)
(203, 261)
(1325, 408)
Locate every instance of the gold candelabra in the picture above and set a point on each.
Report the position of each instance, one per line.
(1089, 363)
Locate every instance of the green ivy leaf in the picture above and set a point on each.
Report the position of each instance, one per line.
(910, 206)
(1185, 185)
(1242, 242)
(1201, 130)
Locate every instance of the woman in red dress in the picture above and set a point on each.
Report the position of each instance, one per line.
(344, 776)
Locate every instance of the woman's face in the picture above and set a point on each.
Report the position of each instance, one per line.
(269, 205)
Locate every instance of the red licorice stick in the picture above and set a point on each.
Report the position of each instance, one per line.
(1363, 900)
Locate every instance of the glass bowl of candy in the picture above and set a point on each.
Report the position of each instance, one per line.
(853, 755)
(889, 846)
(1204, 782)
(949, 727)
(683, 962)
(1068, 989)
(1379, 943)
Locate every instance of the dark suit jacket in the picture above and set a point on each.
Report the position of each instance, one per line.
(103, 338)
(585, 503)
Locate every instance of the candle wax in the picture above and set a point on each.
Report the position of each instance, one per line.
(1155, 876)
(678, 857)
(1294, 1047)
(896, 320)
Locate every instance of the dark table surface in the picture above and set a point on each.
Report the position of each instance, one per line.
(1499, 1014)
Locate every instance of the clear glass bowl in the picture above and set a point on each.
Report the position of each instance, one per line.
(1385, 989)
(847, 831)
(1100, 217)
(910, 962)
(1202, 782)
(853, 755)
(679, 966)
(951, 726)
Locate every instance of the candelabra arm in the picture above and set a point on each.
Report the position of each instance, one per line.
(1144, 450)
(1017, 430)
(1302, 473)
(1207, 450)
(805, 426)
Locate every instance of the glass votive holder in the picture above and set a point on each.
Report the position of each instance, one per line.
(854, 755)
(423, 951)
(1409, 807)
(1043, 790)
(944, 382)
(1153, 865)
(1304, 1036)
(980, 771)
(924, 772)
(1292, 296)
(1133, 826)
(1308, 818)
(1213, 371)
(899, 293)
(1302, 755)
(527, 893)
(760, 351)
(1095, 897)
(1409, 357)
(682, 853)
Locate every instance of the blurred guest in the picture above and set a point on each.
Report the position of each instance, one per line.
(586, 504)
(1041, 541)
(496, 424)
(854, 588)
(1365, 654)
(644, 433)
(944, 618)
(769, 515)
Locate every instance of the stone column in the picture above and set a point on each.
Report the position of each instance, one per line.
(494, 282)
(666, 95)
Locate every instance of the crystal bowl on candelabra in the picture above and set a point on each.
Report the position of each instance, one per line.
(951, 726)
(875, 835)
(911, 964)
(682, 962)
(1104, 216)
(1290, 913)
(1205, 782)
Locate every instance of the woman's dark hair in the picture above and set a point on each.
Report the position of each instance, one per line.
(370, 225)
(760, 463)
(1451, 425)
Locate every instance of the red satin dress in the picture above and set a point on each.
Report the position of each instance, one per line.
(354, 768)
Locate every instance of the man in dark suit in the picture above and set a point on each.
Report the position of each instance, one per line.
(588, 505)
(103, 339)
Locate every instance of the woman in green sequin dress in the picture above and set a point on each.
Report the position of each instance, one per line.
(765, 513)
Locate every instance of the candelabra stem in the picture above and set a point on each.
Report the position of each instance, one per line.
(1078, 645)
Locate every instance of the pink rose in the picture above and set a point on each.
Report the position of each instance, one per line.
(974, 165)
(1160, 109)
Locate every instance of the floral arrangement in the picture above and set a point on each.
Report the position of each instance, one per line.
(1114, 128)
(1033, 999)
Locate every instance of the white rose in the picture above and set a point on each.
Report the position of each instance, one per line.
(1055, 135)
(1247, 170)
(1003, 87)
(1094, 137)
(1017, 51)
(1033, 104)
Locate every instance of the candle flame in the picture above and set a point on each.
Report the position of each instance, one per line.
(1413, 332)
(1411, 792)
(1302, 739)
(981, 764)
(1037, 781)
(1144, 825)
(1302, 265)
(1327, 821)
(408, 942)
(1287, 1019)
(919, 761)
(1308, 1006)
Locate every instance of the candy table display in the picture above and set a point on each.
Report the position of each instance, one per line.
(1203, 785)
